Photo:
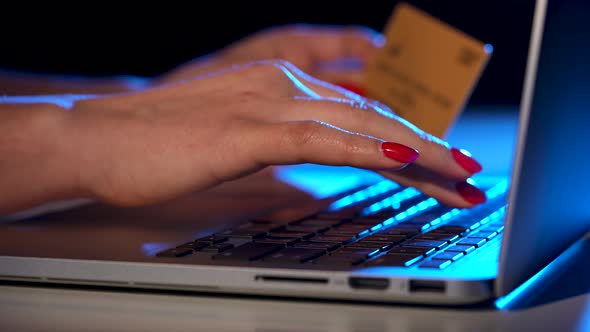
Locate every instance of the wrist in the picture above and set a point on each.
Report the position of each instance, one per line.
(36, 168)
(62, 167)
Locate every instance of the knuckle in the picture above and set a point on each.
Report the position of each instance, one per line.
(304, 133)
(352, 146)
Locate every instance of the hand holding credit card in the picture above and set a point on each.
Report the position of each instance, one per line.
(426, 70)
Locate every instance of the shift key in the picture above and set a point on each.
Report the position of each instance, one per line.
(249, 251)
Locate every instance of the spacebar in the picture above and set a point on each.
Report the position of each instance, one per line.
(249, 251)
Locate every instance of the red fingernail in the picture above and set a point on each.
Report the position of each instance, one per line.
(463, 158)
(471, 193)
(399, 152)
(353, 87)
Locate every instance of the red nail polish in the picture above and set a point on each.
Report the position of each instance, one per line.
(471, 193)
(353, 87)
(399, 152)
(468, 163)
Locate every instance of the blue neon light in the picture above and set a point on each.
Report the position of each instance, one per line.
(557, 264)
(363, 233)
(503, 302)
(408, 263)
(376, 227)
(324, 181)
(388, 222)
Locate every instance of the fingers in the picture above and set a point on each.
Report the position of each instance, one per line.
(461, 194)
(328, 43)
(361, 117)
(320, 143)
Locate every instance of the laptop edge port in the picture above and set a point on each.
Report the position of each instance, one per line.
(368, 283)
(427, 286)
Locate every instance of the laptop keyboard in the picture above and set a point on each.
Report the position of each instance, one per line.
(380, 225)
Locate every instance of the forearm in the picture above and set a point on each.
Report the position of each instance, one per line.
(28, 84)
(37, 161)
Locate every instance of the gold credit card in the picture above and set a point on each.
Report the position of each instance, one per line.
(426, 70)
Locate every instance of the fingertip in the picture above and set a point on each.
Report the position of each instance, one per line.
(400, 152)
(466, 161)
(471, 193)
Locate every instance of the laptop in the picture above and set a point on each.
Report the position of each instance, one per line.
(361, 238)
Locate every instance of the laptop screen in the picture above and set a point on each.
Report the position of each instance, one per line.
(549, 201)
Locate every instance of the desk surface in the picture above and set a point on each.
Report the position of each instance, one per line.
(40, 309)
(32, 308)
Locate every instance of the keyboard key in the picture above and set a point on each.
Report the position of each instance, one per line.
(426, 243)
(395, 259)
(221, 247)
(327, 238)
(213, 239)
(296, 255)
(393, 239)
(251, 227)
(368, 223)
(413, 227)
(367, 245)
(399, 231)
(436, 264)
(249, 251)
(484, 234)
(461, 248)
(449, 255)
(450, 230)
(438, 236)
(335, 215)
(318, 222)
(306, 228)
(472, 241)
(336, 232)
(329, 246)
(390, 211)
(196, 246)
(340, 260)
(287, 241)
(412, 250)
(351, 228)
(298, 235)
(494, 228)
(175, 252)
(243, 234)
(355, 252)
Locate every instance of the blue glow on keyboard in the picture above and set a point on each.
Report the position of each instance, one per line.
(388, 222)
(359, 196)
(393, 202)
(401, 216)
(376, 227)
(497, 190)
(363, 233)
(408, 263)
(152, 248)
(326, 181)
(445, 264)
(505, 301)
(374, 252)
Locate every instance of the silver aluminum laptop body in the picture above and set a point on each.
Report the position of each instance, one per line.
(108, 246)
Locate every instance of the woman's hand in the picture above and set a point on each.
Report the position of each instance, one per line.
(155, 145)
(331, 53)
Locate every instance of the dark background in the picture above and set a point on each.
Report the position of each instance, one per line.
(95, 39)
